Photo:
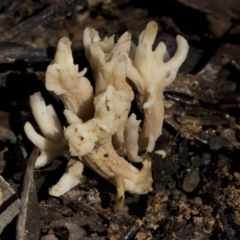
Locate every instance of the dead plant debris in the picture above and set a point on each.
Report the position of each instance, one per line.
(196, 186)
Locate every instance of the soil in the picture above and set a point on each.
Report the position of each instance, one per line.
(196, 187)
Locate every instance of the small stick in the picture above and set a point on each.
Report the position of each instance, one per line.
(11, 51)
(28, 185)
(33, 25)
(215, 193)
(131, 231)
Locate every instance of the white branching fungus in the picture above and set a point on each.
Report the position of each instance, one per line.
(150, 74)
(99, 126)
(111, 111)
(63, 78)
(131, 139)
(108, 60)
(52, 144)
(70, 178)
(108, 164)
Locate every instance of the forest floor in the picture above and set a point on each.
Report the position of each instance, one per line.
(196, 187)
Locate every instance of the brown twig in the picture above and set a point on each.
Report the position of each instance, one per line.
(10, 51)
(33, 25)
(131, 231)
(215, 193)
(27, 193)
